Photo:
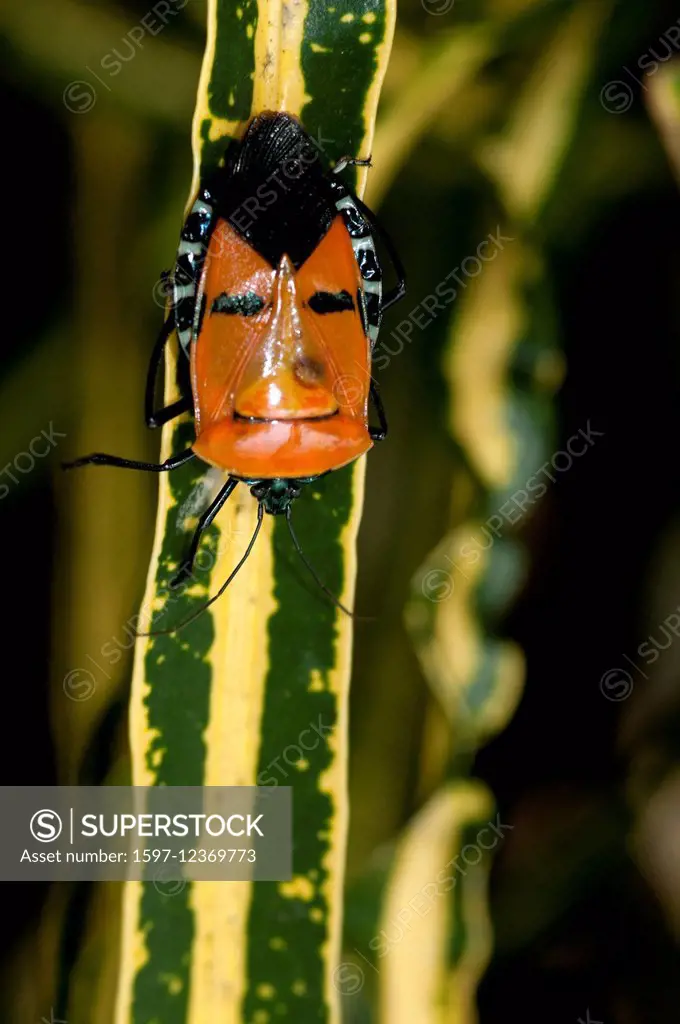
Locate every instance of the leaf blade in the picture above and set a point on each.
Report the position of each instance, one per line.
(271, 656)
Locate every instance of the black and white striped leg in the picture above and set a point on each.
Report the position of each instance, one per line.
(157, 417)
(378, 433)
(186, 568)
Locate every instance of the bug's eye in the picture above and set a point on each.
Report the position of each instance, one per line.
(330, 302)
(247, 304)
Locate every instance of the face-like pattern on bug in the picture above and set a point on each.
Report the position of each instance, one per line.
(281, 365)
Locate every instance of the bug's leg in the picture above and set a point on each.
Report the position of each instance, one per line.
(101, 459)
(204, 522)
(378, 433)
(350, 161)
(157, 417)
(399, 290)
(163, 416)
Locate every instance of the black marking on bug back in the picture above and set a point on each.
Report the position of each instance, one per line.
(276, 192)
(330, 302)
(197, 225)
(248, 304)
(372, 307)
(356, 225)
(355, 222)
(368, 264)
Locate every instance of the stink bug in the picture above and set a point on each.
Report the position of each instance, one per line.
(277, 300)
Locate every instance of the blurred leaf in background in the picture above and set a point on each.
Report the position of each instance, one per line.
(556, 122)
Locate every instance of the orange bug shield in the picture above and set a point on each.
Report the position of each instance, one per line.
(277, 300)
(280, 367)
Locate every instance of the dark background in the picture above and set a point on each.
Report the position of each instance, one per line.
(586, 890)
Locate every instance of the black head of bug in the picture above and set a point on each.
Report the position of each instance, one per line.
(276, 495)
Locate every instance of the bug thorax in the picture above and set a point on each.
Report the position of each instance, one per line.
(276, 494)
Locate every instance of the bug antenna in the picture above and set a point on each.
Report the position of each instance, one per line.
(199, 611)
(312, 570)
